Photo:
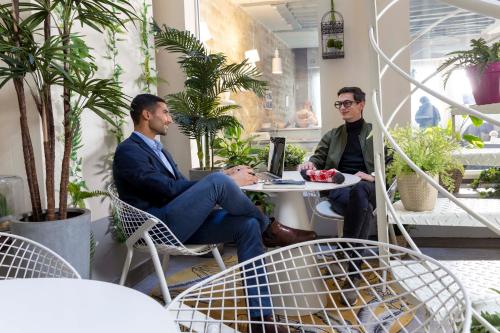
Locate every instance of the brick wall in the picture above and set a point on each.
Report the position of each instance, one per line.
(233, 32)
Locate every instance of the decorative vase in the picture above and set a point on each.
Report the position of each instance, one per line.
(416, 194)
(70, 238)
(485, 84)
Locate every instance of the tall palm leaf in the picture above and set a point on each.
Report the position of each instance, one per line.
(198, 110)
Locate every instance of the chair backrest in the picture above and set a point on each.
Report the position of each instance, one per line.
(132, 218)
(399, 289)
(21, 258)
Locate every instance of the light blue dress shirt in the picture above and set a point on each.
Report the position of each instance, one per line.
(157, 147)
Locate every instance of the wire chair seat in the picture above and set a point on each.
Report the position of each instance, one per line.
(308, 294)
(22, 258)
(147, 233)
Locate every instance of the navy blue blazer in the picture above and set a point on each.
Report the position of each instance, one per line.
(141, 179)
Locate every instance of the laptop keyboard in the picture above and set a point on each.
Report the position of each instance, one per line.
(265, 176)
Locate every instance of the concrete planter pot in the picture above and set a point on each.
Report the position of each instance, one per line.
(416, 194)
(70, 238)
(197, 173)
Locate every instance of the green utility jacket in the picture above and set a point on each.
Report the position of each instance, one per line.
(332, 145)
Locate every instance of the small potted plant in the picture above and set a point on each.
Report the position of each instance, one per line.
(294, 155)
(333, 43)
(489, 180)
(482, 64)
(431, 150)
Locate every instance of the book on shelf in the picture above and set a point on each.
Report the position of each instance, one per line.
(284, 183)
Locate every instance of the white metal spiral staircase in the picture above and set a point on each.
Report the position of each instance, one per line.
(469, 271)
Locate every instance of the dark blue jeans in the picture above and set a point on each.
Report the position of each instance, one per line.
(356, 204)
(192, 218)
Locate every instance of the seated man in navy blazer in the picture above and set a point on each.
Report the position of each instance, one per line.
(147, 177)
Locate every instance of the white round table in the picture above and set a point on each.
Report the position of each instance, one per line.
(78, 306)
(290, 205)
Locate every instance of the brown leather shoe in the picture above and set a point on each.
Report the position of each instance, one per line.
(277, 234)
(267, 325)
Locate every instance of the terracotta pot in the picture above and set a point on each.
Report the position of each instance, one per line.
(485, 85)
(416, 194)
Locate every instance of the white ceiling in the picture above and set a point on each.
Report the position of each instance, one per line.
(296, 23)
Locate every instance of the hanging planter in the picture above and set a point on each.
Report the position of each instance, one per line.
(332, 35)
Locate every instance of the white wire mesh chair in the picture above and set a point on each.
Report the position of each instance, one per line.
(147, 233)
(321, 207)
(394, 294)
(22, 258)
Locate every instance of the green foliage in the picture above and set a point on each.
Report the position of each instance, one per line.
(149, 77)
(491, 178)
(472, 140)
(492, 318)
(198, 110)
(479, 55)
(33, 58)
(115, 227)
(334, 43)
(263, 200)
(4, 208)
(430, 149)
(234, 150)
(294, 155)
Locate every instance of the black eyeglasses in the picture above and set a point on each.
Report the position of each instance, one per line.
(346, 104)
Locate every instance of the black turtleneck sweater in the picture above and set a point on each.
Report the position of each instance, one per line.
(352, 159)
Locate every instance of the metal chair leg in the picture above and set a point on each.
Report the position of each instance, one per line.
(126, 265)
(218, 258)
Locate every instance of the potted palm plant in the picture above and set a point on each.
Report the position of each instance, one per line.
(431, 150)
(482, 64)
(36, 61)
(198, 109)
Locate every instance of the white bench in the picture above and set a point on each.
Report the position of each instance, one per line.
(447, 213)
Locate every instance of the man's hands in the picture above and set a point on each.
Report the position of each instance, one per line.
(365, 176)
(242, 175)
(235, 169)
(306, 166)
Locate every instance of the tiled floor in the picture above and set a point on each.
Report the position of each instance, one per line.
(182, 262)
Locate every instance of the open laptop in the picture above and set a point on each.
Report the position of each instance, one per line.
(275, 161)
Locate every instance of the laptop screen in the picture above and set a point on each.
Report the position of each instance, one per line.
(276, 160)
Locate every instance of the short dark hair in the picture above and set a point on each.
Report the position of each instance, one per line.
(143, 102)
(357, 93)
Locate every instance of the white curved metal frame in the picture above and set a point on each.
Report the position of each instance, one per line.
(22, 258)
(145, 232)
(300, 279)
(486, 7)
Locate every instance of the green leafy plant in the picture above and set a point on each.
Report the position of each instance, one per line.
(481, 54)
(492, 318)
(31, 57)
(491, 179)
(234, 150)
(149, 77)
(472, 140)
(294, 155)
(430, 149)
(198, 110)
(334, 43)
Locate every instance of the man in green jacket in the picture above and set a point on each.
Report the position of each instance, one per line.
(348, 149)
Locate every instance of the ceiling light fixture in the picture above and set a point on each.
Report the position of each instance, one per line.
(277, 66)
